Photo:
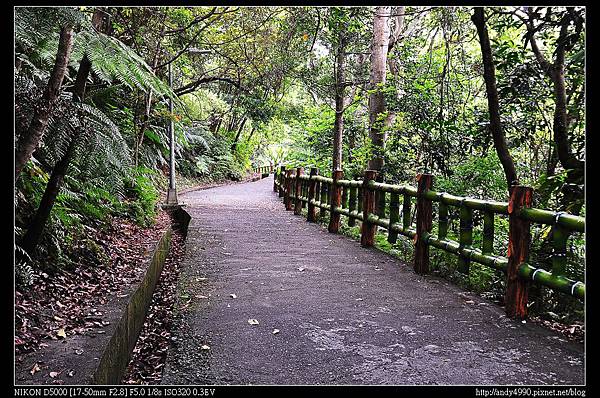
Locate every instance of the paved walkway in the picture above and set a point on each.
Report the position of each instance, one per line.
(345, 314)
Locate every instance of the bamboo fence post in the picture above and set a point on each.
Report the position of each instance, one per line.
(560, 238)
(271, 168)
(465, 237)
(274, 180)
(380, 198)
(394, 216)
(406, 206)
(281, 177)
(367, 233)
(322, 199)
(288, 189)
(298, 190)
(304, 192)
(335, 201)
(312, 184)
(359, 200)
(488, 232)
(519, 238)
(443, 221)
(352, 205)
(424, 218)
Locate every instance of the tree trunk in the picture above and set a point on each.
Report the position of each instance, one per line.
(377, 116)
(340, 77)
(30, 139)
(237, 136)
(251, 134)
(573, 195)
(34, 233)
(392, 62)
(492, 97)
(379, 50)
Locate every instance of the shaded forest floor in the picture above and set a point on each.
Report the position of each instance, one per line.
(59, 305)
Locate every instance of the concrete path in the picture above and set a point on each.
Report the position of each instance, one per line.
(344, 314)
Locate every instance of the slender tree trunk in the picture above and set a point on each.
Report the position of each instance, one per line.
(34, 233)
(377, 116)
(239, 133)
(572, 194)
(340, 77)
(36, 228)
(30, 139)
(251, 133)
(492, 97)
(392, 62)
(379, 50)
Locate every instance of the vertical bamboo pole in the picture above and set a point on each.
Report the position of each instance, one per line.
(380, 198)
(443, 221)
(352, 205)
(288, 189)
(312, 184)
(424, 218)
(465, 238)
(305, 193)
(344, 204)
(335, 201)
(559, 249)
(488, 233)
(359, 200)
(406, 205)
(298, 190)
(275, 181)
(367, 233)
(322, 199)
(394, 216)
(281, 181)
(519, 238)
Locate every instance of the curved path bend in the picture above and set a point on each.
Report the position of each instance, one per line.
(344, 314)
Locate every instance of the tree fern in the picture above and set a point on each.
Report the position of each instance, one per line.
(36, 34)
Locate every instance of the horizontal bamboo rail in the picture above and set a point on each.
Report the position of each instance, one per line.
(356, 200)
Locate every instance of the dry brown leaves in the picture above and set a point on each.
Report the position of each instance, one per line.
(150, 352)
(63, 304)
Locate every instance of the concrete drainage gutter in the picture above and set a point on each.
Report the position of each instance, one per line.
(117, 354)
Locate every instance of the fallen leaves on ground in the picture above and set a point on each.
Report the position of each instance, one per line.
(150, 352)
(252, 321)
(575, 332)
(63, 303)
(35, 368)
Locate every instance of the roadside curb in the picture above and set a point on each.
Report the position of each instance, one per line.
(117, 354)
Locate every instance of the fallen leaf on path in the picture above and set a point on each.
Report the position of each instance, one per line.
(205, 347)
(54, 374)
(252, 321)
(359, 299)
(79, 351)
(301, 269)
(35, 368)
(233, 295)
(61, 333)
(275, 331)
(71, 373)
